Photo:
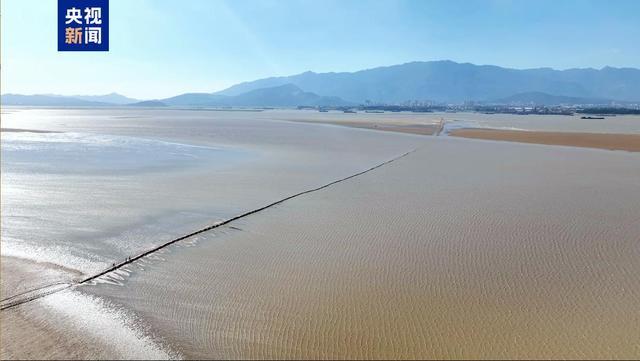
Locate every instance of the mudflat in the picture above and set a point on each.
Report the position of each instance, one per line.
(22, 275)
(628, 142)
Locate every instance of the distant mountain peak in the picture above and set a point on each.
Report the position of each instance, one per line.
(285, 95)
(65, 100)
(443, 81)
(113, 98)
(449, 81)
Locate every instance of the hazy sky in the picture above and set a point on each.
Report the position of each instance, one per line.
(160, 48)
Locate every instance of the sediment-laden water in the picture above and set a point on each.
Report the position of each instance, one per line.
(461, 249)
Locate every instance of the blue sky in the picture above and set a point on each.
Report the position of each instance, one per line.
(160, 48)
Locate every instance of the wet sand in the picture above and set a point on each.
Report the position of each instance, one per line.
(432, 126)
(21, 275)
(419, 129)
(628, 142)
(71, 325)
(459, 250)
(27, 338)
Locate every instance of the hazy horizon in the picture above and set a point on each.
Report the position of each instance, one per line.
(112, 92)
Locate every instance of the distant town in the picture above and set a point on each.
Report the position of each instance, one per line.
(421, 107)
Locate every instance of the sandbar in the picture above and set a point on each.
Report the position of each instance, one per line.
(628, 142)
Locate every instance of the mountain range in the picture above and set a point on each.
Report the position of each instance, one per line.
(62, 100)
(435, 81)
(112, 98)
(448, 81)
(285, 95)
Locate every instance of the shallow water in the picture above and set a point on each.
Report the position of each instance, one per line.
(621, 124)
(464, 249)
(115, 182)
(80, 153)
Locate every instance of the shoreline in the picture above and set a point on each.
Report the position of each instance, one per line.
(626, 142)
(408, 128)
(75, 325)
(17, 272)
(606, 141)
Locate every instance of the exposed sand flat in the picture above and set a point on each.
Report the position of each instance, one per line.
(71, 325)
(460, 250)
(21, 275)
(629, 142)
(621, 124)
(36, 338)
(421, 129)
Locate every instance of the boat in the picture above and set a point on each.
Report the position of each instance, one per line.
(591, 117)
